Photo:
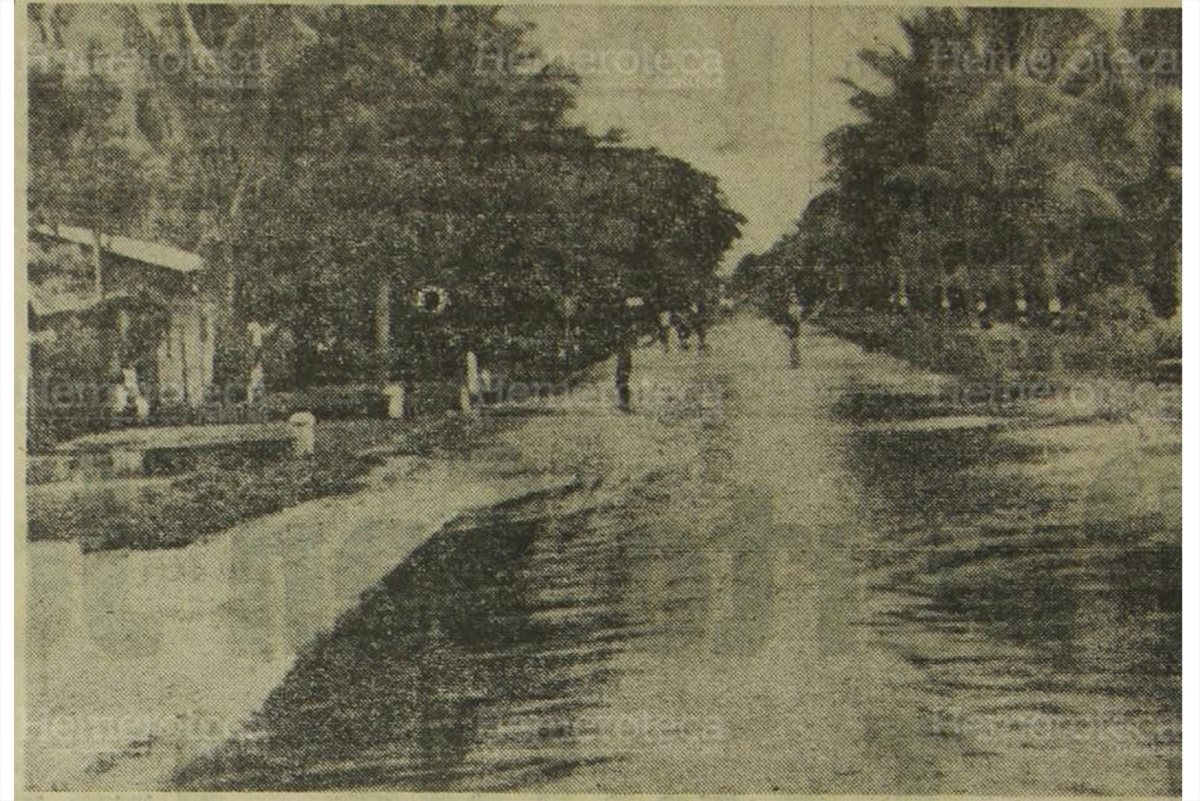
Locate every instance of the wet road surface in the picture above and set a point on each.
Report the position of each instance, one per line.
(760, 583)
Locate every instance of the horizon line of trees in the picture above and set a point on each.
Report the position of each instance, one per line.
(1018, 163)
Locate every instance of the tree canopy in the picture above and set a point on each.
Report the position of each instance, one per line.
(337, 160)
(1015, 157)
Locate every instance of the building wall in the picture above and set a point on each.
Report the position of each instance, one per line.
(186, 351)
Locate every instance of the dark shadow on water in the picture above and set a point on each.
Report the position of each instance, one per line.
(465, 667)
(1009, 592)
(487, 660)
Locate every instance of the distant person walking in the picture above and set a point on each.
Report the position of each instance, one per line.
(700, 325)
(664, 331)
(791, 326)
(683, 330)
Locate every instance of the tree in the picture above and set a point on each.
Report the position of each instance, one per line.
(390, 148)
(82, 170)
(1012, 153)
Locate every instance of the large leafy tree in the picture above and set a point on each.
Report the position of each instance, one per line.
(1011, 154)
(410, 156)
(332, 161)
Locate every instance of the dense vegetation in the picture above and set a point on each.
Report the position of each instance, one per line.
(1016, 165)
(337, 160)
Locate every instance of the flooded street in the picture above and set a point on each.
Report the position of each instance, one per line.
(765, 580)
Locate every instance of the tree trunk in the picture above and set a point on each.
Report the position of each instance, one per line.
(123, 354)
(96, 263)
(383, 327)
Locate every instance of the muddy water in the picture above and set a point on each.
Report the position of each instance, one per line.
(780, 591)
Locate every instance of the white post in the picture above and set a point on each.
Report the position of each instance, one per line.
(464, 401)
(256, 388)
(395, 400)
(302, 426)
(473, 387)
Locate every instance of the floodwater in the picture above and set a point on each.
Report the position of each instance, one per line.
(766, 581)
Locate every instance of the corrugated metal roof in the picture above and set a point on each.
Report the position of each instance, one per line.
(153, 253)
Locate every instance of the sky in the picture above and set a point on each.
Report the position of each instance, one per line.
(745, 94)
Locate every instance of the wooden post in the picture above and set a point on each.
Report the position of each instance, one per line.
(700, 325)
(183, 362)
(795, 314)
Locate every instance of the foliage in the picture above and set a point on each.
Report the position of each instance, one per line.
(70, 380)
(537, 229)
(1018, 160)
(365, 152)
(81, 169)
(1011, 353)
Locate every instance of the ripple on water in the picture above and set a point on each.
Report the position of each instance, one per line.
(1036, 587)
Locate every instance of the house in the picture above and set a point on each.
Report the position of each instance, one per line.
(160, 302)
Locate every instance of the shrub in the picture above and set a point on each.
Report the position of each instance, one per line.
(1115, 334)
(1116, 310)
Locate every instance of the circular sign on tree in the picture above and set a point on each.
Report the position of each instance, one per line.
(432, 299)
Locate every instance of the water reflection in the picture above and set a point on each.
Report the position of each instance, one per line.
(1034, 626)
(792, 598)
(495, 633)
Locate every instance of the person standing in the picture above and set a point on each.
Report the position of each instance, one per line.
(791, 326)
